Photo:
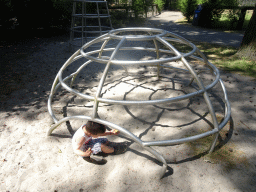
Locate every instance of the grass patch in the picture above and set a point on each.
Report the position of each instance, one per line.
(222, 57)
(224, 153)
(240, 65)
(225, 58)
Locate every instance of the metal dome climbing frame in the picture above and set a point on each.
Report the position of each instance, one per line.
(159, 38)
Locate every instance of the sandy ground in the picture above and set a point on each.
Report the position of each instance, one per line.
(31, 161)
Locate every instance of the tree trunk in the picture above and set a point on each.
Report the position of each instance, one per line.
(248, 46)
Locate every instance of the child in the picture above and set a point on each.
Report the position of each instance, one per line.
(86, 142)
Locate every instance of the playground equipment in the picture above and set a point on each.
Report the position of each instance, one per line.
(90, 19)
(163, 51)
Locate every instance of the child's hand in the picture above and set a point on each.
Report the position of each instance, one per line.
(115, 132)
(88, 152)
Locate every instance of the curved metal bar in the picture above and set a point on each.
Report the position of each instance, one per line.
(102, 80)
(121, 129)
(59, 77)
(151, 102)
(109, 124)
(159, 158)
(179, 37)
(65, 86)
(104, 44)
(73, 75)
(89, 53)
(205, 94)
(102, 47)
(113, 33)
(157, 55)
(214, 70)
(201, 86)
(94, 41)
(194, 49)
(179, 141)
(125, 62)
(226, 116)
(227, 107)
(203, 56)
(209, 104)
(214, 141)
(51, 97)
(77, 72)
(49, 105)
(192, 79)
(159, 101)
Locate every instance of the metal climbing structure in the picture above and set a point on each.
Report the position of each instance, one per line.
(90, 19)
(161, 50)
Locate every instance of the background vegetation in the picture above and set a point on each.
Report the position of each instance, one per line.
(57, 13)
(29, 14)
(46, 14)
(214, 16)
(211, 9)
(224, 57)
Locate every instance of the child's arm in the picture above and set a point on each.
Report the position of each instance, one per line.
(80, 141)
(82, 153)
(112, 132)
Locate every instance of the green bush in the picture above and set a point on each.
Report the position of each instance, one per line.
(6, 12)
(141, 6)
(160, 5)
(187, 7)
(138, 7)
(35, 13)
(63, 11)
(213, 9)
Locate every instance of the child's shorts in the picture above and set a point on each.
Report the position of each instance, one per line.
(95, 145)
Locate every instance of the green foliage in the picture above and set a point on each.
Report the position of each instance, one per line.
(226, 58)
(187, 7)
(5, 12)
(138, 7)
(63, 10)
(35, 13)
(229, 20)
(123, 1)
(141, 6)
(160, 4)
(213, 9)
(63, 5)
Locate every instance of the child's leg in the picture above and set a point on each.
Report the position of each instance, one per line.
(107, 149)
(100, 145)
